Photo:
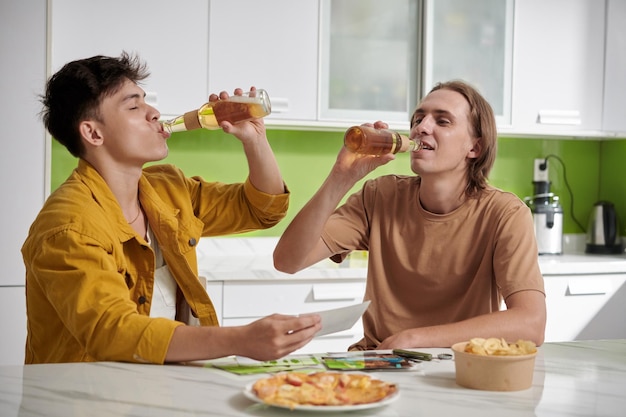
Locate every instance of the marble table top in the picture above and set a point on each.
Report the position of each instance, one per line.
(586, 378)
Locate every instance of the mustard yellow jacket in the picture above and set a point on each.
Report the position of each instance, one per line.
(89, 276)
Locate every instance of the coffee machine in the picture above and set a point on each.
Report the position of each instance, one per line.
(548, 219)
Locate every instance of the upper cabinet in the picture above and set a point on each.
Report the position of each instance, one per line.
(170, 36)
(333, 63)
(539, 63)
(558, 66)
(378, 59)
(271, 45)
(369, 60)
(614, 120)
(472, 41)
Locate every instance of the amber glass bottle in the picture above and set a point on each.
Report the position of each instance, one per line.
(250, 105)
(370, 141)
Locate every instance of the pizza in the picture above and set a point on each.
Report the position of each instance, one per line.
(321, 389)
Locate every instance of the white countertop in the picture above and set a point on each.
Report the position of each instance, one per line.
(228, 259)
(581, 263)
(570, 379)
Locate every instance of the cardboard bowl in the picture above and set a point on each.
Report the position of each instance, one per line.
(491, 372)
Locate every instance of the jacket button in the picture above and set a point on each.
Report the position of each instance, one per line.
(192, 241)
(142, 299)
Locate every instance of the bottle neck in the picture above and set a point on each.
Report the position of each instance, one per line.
(176, 124)
(409, 145)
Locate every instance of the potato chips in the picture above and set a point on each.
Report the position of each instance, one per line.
(499, 347)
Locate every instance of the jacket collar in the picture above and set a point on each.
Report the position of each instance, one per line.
(156, 209)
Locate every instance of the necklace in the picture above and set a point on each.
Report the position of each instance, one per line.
(138, 213)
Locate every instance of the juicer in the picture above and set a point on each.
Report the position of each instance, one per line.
(548, 219)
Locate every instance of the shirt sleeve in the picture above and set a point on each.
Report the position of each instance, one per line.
(224, 208)
(347, 229)
(516, 265)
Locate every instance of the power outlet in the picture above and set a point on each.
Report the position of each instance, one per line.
(540, 173)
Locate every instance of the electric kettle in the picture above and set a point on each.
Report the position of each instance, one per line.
(603, 232)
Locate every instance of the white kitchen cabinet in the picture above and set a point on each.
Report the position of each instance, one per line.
(12, 325)
(170, 36)
(554, 84)
(378, 62)
(614, 117)
(369, 60)
(558, 66)
(472, 41)
(582, 307)
(272, 45)
(215, 289)
(246, 301)
(23, 161)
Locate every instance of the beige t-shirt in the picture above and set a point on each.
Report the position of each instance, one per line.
(427, 269)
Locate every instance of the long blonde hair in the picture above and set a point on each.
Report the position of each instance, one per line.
(483, 125)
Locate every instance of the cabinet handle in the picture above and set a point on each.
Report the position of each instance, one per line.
(559, 117)
(280, 105)
(337, 336)
(329, 292)
(588, 287)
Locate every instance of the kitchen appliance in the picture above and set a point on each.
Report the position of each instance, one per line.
(603, 232)
(548, 219)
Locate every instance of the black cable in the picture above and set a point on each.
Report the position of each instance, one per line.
(571, 194)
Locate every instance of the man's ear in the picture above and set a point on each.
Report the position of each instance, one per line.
(476, 149)
(90, 133)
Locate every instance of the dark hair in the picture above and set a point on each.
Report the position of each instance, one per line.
(483, 124)
(75, 92)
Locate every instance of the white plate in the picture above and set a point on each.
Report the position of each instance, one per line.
(325, 408)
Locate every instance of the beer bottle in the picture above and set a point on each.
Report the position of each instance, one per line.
(235, 109)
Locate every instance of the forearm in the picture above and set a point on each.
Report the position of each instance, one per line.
(264, 172)
(502, 324)
(268, 338)
(190, 343)
(525, 320)
(300, 245)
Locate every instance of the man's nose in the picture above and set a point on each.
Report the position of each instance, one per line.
(153, 113)
(425, 126)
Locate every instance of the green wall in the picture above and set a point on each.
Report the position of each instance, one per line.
(594, 169)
